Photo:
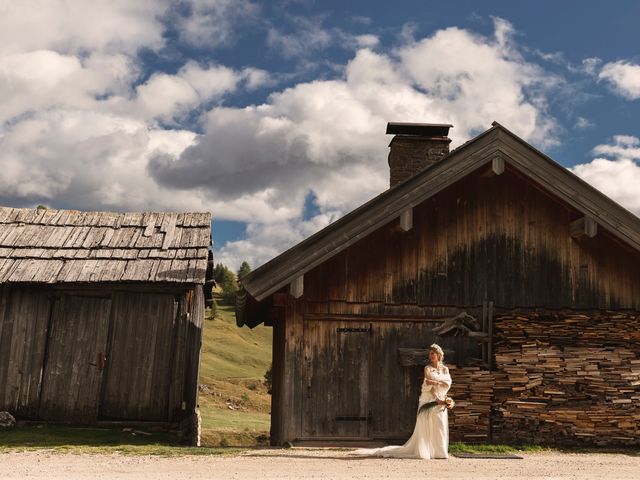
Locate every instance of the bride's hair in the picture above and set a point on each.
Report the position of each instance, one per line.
(438, 349)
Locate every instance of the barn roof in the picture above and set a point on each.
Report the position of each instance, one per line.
(497, 142)
(62, 246)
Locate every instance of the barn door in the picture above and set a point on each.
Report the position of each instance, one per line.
(143, 340)
(337, 393)
(75, 359)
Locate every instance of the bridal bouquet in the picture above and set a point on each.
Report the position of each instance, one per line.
(449, 403)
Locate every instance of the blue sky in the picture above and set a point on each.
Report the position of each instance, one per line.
(271, 115)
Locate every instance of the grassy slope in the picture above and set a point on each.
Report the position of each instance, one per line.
(234, 402)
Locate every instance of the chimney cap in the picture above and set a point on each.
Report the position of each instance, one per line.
(419, 129)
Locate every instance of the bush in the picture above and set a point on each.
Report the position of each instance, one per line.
(268, 379)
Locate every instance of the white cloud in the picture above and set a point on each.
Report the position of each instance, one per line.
(623, 77)
(308, 36)
(617, 176)
(583, 123)
(167, 96)
(366, 41)
(590, 66)
(209, 23)
(76, 26)
(88, 160)
(43, 79)
(265, 241)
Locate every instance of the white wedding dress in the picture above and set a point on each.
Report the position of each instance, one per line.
(430, 437)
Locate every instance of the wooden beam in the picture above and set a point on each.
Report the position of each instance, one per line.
(296, 287)
(583, 227)
(406, 220)
(497, 165)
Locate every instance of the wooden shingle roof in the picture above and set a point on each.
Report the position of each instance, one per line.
(68, 246)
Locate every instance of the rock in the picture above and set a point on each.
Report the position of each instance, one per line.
(7, 420)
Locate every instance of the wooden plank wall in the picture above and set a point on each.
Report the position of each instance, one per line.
(49, 365)
(496, 238)
(72, 376)
(359, 373)
(138, 372)
(278, 387)
(193, 347)
(24, 317)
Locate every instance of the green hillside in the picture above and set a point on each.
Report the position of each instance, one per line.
(234, 403)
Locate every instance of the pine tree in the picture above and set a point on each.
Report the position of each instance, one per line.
(244, 269)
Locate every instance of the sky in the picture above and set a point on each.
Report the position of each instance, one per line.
(271, 115)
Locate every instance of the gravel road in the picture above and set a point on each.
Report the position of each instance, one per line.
(300, 463)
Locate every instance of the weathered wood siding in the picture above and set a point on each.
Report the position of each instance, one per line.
(138, 372)
(83, 355)
(355, 385)
(24, 318)
(496, 238)
(72, 372)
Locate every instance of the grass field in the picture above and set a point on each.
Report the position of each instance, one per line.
(234, 403)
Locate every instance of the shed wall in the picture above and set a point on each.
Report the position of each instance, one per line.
(87, 354)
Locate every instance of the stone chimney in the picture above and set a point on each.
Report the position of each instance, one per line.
(415, 147)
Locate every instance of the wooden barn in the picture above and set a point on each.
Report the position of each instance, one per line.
(101, 316)
(526, 275)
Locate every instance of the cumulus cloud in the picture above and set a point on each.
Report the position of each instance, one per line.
(88, 160)
(623, 77)
(209, 23)
(615, 171)
(77, 127)
(167, 96)
(76, 26)
(327, 136)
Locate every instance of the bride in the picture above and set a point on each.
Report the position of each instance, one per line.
(430, 437)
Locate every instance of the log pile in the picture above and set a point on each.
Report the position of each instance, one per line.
(567, 378)
(472, 391)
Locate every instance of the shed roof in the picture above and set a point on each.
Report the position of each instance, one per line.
(496, 142)
(68, 246)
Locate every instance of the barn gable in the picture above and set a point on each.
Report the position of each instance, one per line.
(495, 149)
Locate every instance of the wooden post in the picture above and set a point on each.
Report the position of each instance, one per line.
(406, 220)
(583, 227)
(497, 165)
(296, 287)
(484, 330)
(490, 333)
(490, 363)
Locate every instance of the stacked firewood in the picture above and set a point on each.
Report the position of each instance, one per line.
(567, 378)
(472, 391)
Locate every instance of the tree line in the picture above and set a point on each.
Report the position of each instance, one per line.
(227, 280)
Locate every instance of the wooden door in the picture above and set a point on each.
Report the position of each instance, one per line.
(24, 319)
(75, 359)
(143, 341)
(336, 403)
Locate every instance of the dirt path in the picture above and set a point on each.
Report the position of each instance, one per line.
(312, 464)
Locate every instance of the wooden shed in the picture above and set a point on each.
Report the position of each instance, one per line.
(101, 315)
(526, 275)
